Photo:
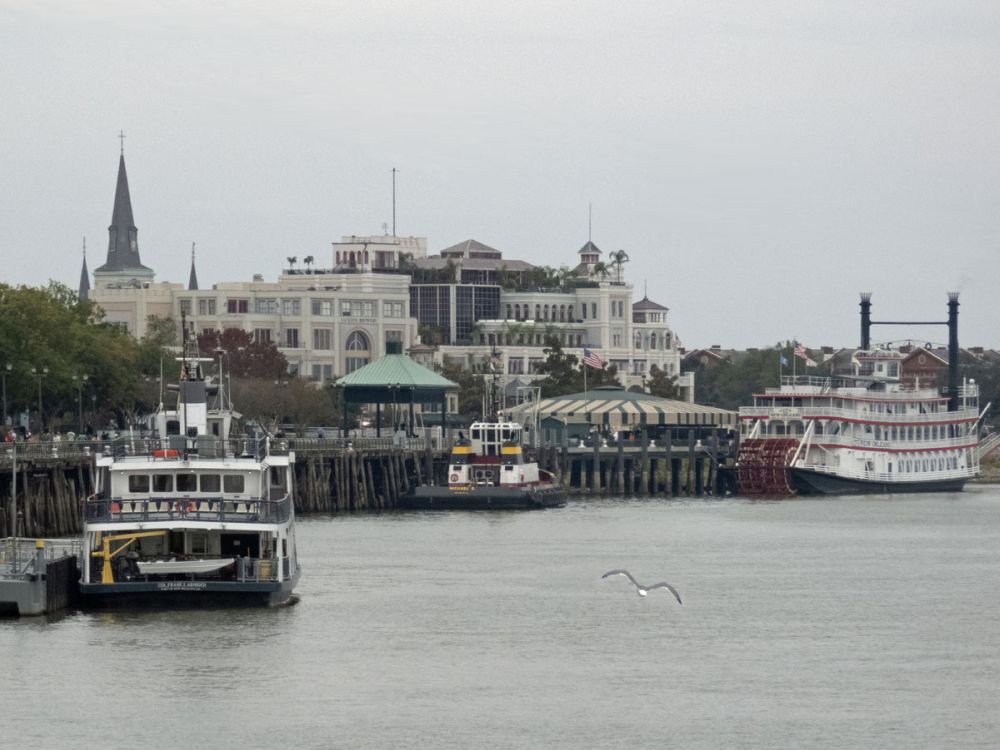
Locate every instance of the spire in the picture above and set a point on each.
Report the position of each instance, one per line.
(193, 280)
(84, 276)
(123, 239)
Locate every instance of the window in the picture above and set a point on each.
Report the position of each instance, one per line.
(593, 310)
(163, 482)
(357, 308)
(322, 373)
(232, 482)
(322, 339)
(138, 483)
(206, 307)
(236, 306)
(266, 306)
(187, 482)
(392, 309)
(323, 307)
(186, 306)
(262, 335)
(211, 482)
(291, 307)
(357, 341)
(291, 338)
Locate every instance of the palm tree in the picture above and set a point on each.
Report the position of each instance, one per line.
(308, 260)
(619, 258)
(292, 260)
(600, 269)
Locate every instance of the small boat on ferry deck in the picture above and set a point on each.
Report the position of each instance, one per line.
(192, 518)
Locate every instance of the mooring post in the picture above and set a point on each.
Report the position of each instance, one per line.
(621, 464)
(564, 477)
(595, 469)
(644, 465)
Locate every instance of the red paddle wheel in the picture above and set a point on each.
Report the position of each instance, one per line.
(762, 466)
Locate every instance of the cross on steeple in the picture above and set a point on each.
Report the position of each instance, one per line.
(121, 137)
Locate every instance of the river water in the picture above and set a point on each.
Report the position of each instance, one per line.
(806, 623)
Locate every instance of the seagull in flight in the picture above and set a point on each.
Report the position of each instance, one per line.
(643, 590)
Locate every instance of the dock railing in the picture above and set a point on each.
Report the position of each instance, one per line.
(20, 558)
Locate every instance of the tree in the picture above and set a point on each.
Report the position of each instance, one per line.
(618, 259)
(600, 269)
(471, 387)
(732, 382)
(292, 260)
(985, 371)
(50, 328)
(561, 371)
(660, 383)
(308, 260)
(244, 356)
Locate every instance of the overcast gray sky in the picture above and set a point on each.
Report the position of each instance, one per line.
(761, 162)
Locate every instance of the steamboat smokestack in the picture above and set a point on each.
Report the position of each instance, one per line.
(953, 351)
(866, 320)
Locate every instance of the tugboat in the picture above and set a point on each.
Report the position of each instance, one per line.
(190, 518)
(489, 471)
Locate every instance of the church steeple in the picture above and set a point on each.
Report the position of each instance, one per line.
(84, 292)
(193, 280)
(123, 237)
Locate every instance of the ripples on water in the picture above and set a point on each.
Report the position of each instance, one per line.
(850, 622)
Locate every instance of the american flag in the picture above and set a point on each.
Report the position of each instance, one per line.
(592, 360)
(800, 351)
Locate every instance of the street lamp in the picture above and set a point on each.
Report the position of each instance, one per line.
(79, 381)
(39, 374)
(4, 373)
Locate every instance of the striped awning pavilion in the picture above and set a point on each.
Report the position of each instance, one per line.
(618, 408)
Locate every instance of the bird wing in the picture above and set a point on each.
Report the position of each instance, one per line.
(665, 585)
(622, 573)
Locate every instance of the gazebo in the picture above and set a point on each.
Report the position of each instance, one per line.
(394, 379)
(615, 408)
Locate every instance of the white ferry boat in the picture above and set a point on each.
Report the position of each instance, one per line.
(191, 518)
(865, 433)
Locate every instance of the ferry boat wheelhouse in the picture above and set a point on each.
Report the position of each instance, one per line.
(191, 518)
(865, 433)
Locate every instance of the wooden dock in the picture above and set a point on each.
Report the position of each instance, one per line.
(340, 475)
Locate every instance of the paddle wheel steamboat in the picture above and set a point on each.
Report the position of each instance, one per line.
(867, 431)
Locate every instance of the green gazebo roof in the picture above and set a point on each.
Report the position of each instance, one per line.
(395, 370)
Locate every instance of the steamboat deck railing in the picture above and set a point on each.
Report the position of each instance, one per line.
(787, 413)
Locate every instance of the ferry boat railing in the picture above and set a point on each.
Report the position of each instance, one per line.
(212, 509)
(257, 569)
